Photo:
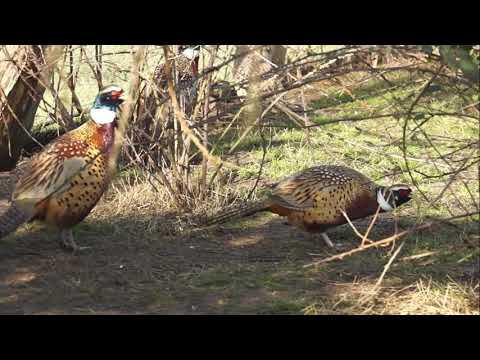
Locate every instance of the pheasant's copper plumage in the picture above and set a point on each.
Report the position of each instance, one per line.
(61, 184)
(68, 178)
(315, 198)
(186, 69)
(320, 194)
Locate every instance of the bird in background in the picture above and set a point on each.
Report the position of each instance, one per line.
(316, 198)
(186, 68)
(61, 184)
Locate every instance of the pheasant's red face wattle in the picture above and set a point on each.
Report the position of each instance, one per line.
(402, 194)
(115, 95)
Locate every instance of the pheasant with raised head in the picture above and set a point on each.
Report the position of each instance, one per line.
(61, 184)
(316, 198)
(186, 68)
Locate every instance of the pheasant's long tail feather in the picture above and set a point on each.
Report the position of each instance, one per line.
(238, 212)
(11, 219)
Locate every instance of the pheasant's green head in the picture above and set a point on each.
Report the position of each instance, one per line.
(106, 104)
(392, 197)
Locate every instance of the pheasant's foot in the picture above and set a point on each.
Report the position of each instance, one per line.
(340, 246)
(327, 240)
(67, 242)
(337, 246)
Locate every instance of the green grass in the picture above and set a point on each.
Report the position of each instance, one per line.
(373, 147)
(228, 270)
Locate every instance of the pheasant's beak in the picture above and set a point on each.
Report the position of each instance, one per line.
(122, 98)
(118, 96)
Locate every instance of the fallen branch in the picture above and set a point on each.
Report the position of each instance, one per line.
(388, 240)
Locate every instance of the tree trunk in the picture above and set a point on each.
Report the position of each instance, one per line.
(21, 89)
(278, 54)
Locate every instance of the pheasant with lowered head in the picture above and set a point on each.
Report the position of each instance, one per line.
(316, 198)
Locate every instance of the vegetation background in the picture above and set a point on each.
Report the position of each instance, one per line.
(398, 114)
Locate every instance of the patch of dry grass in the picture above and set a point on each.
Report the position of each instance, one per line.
(137, 205)
(424, 297)
(431, 297)
(144, 203)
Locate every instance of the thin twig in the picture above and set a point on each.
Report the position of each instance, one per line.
(388, 239)
(370, 226)
(363, 237)
(380, 279)
(387, 266)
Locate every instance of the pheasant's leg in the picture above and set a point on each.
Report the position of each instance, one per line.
(66, 236)
(327, 240)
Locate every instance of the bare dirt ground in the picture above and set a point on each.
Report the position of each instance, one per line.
(254, 266)
(257, 269)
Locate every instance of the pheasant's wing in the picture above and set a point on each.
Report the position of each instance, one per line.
(48, 172)
(300, 191)
(5, 185)
(300, 195)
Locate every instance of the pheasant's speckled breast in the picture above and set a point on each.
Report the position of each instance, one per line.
(66, 180)
(69, 207)
(185, 68)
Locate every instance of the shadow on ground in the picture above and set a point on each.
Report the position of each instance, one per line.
(255, 267)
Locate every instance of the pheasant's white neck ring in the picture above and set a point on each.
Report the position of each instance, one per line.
(102, 115)
(190, 53)
(382, 202)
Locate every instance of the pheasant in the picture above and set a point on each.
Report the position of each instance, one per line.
(316, 198)
(186, 67)
(63, 183)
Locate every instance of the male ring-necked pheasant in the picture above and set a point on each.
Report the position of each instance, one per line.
(315, 198)
(186, 65)
(186, 68)
(63, 183)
